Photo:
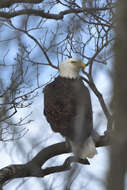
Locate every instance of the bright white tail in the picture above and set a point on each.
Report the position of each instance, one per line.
(88, 149)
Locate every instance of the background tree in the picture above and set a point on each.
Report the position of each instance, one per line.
(118, 153)
(37, 36)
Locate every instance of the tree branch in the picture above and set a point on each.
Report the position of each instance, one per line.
(36, 42)
(8, 3)
(43, 14)
(92, 85)
(34, 167)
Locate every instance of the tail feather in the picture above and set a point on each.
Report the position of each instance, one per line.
(88, 149)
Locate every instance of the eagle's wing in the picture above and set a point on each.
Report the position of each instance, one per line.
(67, 107)
(84, 118)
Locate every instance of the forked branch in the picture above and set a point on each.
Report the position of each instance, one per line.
(34, 167)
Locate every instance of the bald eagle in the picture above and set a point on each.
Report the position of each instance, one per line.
(67, 107)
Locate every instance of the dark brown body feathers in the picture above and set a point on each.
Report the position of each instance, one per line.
(67, 107)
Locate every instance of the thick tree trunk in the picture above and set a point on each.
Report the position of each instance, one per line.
(118, 153)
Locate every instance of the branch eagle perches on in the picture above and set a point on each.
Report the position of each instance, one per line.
(34, 167)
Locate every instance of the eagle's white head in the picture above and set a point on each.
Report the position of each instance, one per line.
(70, 68)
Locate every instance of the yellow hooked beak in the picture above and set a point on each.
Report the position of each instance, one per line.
(83, 65)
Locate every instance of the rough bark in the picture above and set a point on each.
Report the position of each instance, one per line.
(118, 153)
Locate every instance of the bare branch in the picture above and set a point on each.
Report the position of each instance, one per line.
(43, 14)
(36, 42)
(8, 3)
(33, 167)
